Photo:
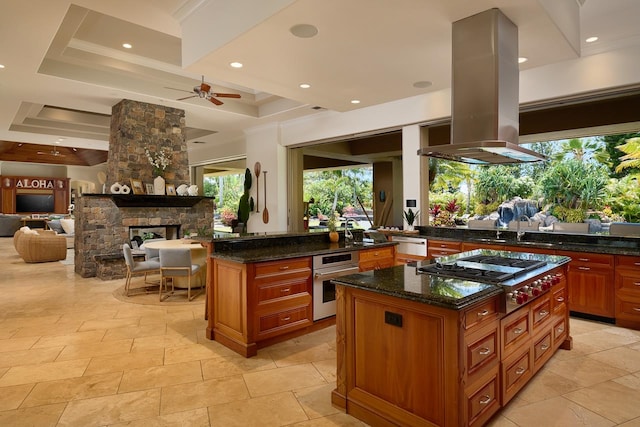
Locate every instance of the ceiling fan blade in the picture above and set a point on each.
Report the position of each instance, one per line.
(226, 95)
(186, 97)
(205, 87)
(181, 90)
(216, 101)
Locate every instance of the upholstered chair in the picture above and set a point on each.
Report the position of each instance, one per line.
(137, 267)
(175, 264)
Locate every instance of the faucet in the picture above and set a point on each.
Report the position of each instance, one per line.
(519, 233)
(348, 235)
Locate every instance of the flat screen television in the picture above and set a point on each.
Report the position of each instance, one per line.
(36, 203)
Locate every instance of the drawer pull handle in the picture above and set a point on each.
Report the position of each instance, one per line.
(518, 331)
(637, 283)
(483, 313)
(560, 299)
(543, 313)
(284, 267)
(544, 347)
(484, 399)
(484, 351)
(520, 371)
(584, 268)
(636, 263)
(560, 330)
(636, 308)
(286, 319)
(285, 290)
(584, 259)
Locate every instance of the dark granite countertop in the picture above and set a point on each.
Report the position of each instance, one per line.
(406, 283)
(596, 243)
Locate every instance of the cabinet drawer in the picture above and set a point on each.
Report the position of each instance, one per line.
(628, 308)
(444, 244)
(268, 292)
(481, 352)
(559, 331)
(541, 312)
(515, 375)
(627, 261)
(542, 351)
(477, 314)
(589, 259)
(376, 254)
(437, 252)
(272, 322)
(558, 298)
(628, 282)
(515, 330)
(300, 266)
(484, 402)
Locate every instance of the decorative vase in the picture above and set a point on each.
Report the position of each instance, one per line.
(158, 186)
(334, 236)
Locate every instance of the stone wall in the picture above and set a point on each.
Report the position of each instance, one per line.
(136, 126)
(102, 227)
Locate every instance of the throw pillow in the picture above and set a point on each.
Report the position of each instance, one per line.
(68, 225)
(56, 226)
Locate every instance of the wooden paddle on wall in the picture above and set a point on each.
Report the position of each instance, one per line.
(265, 211)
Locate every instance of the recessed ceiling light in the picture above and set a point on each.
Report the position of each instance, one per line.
(126, 45)
(355, 101)
(591, 39)
(304, 31)
(422, 84)
(305, 85)
(236, 64)
(522, 59)
(1, 66)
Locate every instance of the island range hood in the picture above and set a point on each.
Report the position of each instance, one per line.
(485, 84)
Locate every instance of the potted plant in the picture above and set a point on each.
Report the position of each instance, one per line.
(332, 225)
(410, 216)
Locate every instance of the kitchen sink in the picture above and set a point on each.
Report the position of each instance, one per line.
(539, 244)
(496, 241)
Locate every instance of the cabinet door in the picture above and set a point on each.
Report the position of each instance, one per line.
(438, 248)
(590, 283)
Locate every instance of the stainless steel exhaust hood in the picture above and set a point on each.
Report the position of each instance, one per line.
(485, 84)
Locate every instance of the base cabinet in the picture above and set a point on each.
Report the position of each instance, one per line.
(258, 302)
(628, 291)
(376, 259)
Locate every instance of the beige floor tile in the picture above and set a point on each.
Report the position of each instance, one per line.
(611, 400)
(160, 376)
(11, 397)
(51, 371)
(620, 357)
(83, 351)
(49, 392)
(92, 325)
(40, 416)
(556, 412)
(316, 400)
(70, 339)
(580, 326)
(226, 366)
(13, 344)
(282, 379)
(586, 371)
(327, 369)
(156, 329)
(184, 397)
(604, 339)
(631, 423)
(107, 410)
(297, 354)
(547, 384)
(194, 418)
(631, 381)
(334, 420)
(49, 330)
(501, 421)
(189, 352)
(258, 412)
(162, 341)
(125, 361)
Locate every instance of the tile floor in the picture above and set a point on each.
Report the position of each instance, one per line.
(73, 355)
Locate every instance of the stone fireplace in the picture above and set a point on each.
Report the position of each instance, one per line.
(104, 221)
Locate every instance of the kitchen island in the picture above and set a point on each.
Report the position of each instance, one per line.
(424, 349)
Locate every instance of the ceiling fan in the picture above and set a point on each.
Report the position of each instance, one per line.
(203, 90)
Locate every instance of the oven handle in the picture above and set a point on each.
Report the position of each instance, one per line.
(336, 273)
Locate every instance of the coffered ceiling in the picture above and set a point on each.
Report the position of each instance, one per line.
(65, 66)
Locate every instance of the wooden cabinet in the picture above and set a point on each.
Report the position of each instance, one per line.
(257, 302)
(398, 361)
(410, 249)
(627, 304)
(438, 248)
(376, 259)
(591, 283)
(469, 246)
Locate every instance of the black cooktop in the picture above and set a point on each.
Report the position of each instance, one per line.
(486, 268)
